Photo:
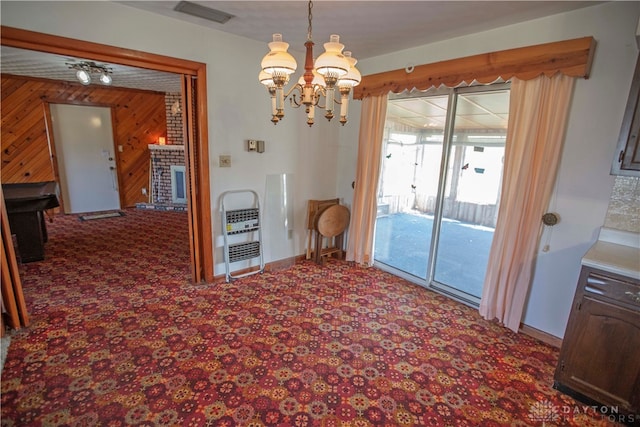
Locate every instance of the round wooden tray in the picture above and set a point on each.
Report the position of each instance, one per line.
(332, 221)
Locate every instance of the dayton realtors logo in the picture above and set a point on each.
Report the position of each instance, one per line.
(545, 411)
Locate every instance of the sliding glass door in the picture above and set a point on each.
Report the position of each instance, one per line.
(440, 186)
(409, 178)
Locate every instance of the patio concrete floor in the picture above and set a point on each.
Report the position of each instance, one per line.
(403, 241)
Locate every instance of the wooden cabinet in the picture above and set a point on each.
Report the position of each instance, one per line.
(627, 157)
(600, 356)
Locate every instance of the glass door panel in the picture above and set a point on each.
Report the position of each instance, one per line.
(409, 183)
(472, 191)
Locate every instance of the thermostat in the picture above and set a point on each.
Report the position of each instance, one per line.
(255, 145)
(550, 218)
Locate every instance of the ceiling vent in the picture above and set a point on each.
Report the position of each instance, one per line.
(202, 12)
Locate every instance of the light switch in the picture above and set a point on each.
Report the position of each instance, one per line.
(225, 161)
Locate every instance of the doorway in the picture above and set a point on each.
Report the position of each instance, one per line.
(84, 147)
(194, 112)
(440, 186)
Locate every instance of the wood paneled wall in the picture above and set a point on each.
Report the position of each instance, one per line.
(139, 120)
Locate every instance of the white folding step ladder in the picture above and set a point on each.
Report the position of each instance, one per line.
(242, 233)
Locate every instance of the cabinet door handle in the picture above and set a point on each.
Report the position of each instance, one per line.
(593, 290)
(633, 296)
(594, 281)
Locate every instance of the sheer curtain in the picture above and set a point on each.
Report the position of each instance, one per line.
(538, 113)
(363, 211)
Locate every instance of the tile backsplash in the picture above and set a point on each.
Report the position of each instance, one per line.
(624, 205)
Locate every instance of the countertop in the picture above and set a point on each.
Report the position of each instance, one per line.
(615, 251)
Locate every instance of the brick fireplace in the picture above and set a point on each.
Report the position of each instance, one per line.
(168, 179)
(167, 183)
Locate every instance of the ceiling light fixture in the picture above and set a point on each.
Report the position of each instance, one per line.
(331, 70)
(85, 69)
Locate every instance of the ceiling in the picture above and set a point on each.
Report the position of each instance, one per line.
(367, 28)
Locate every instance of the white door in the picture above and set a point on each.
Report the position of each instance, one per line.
(86, 160)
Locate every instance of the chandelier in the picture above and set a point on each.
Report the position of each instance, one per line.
(331, 71)
(85, 69)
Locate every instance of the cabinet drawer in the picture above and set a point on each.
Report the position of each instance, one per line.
(614, 289)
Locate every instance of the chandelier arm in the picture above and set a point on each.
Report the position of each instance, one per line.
(294, 87)
(294, 102)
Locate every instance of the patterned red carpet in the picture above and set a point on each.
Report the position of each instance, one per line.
(119, 337)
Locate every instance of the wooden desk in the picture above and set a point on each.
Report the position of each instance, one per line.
(26, 203)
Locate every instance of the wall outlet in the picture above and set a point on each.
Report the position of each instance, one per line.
(225, 161)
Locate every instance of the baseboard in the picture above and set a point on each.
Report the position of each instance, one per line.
(281, 264)
(545, 337)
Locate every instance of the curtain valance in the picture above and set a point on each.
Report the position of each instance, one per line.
(570, 57)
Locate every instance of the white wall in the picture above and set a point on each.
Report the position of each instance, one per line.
(584, 185)
(238, 106)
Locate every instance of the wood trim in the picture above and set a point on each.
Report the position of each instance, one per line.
(116, 156)
(545, 337)
(42, 42)
(66, 46)
(204, 190)
(12, 294)
(188, 136)
(53, 155)
(570, 57)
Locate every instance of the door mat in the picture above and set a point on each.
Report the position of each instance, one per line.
(100, 216)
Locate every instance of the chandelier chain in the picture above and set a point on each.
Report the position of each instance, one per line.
(309, 36)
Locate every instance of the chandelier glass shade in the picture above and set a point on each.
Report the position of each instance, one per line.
(85, 69)
(332, 70)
